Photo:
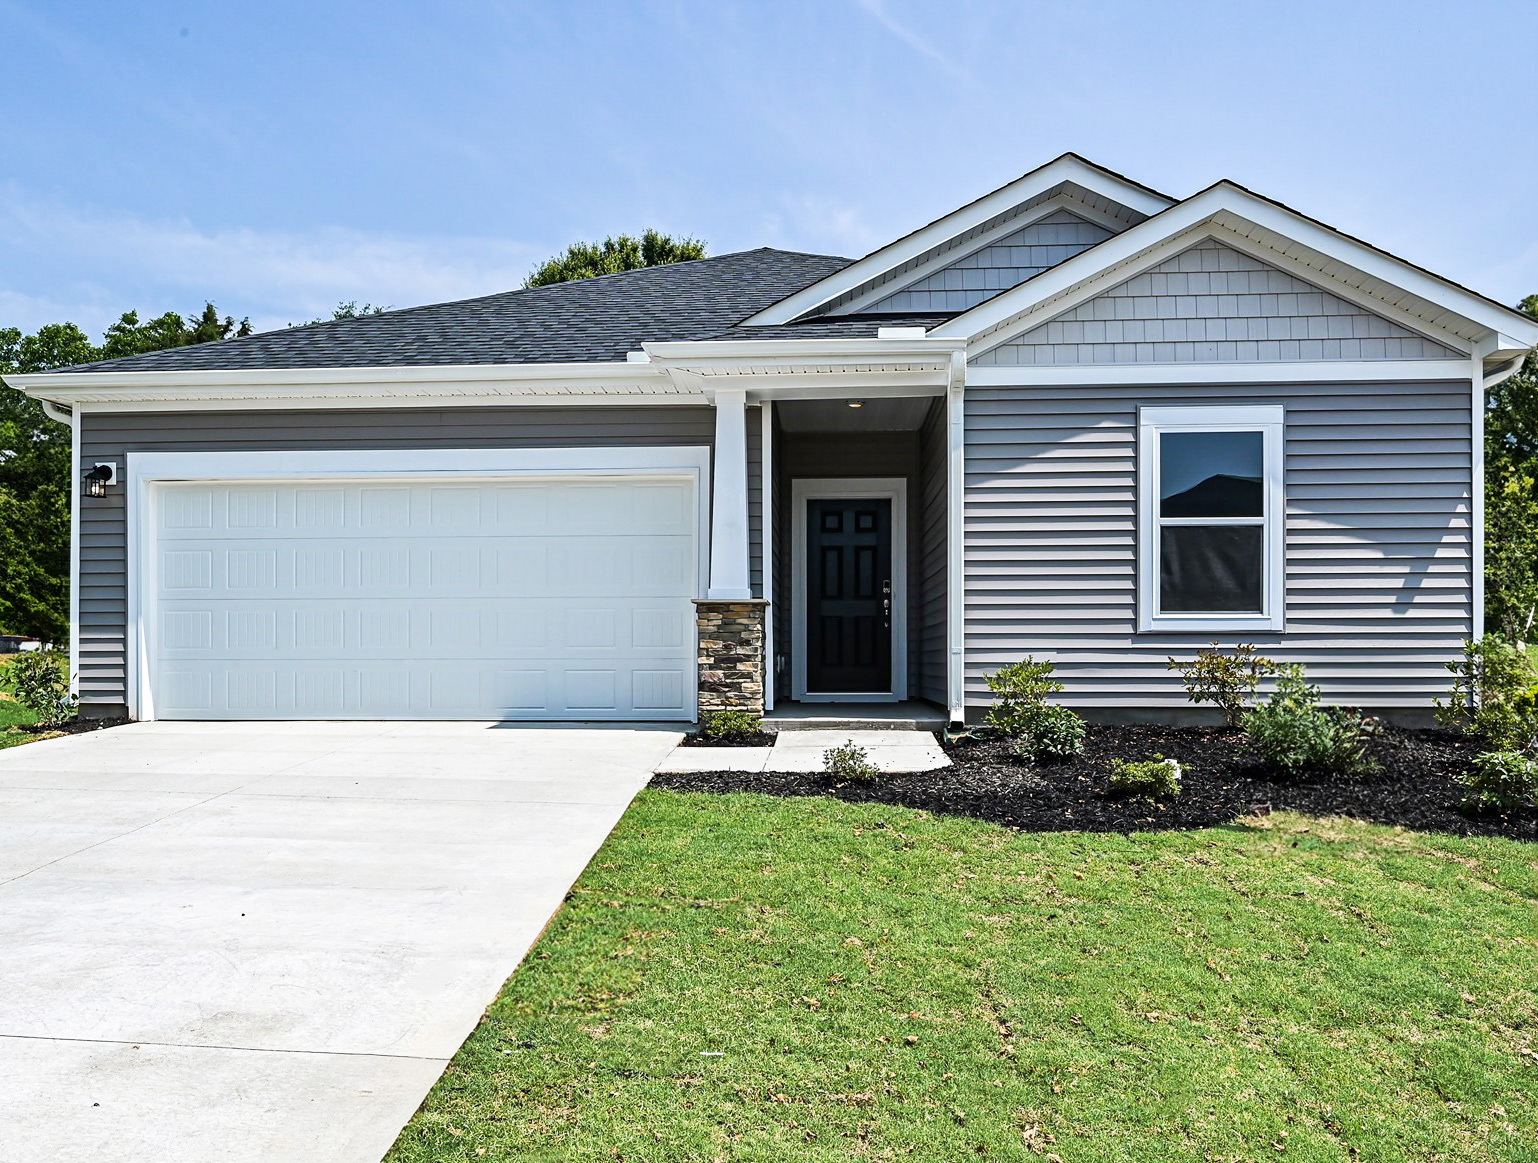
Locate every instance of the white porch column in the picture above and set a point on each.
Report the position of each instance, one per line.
(729, 578)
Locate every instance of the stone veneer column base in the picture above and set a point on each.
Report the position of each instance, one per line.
(731, 654)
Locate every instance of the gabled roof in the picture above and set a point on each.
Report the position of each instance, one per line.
(597, 320)
(1434, 305)
(1112, 198)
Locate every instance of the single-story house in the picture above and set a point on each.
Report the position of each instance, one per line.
(1076, 418)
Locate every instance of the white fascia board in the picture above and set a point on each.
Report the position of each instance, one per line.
(446, 384)
(1046, 289)
(1237, 374)
(1064, 169)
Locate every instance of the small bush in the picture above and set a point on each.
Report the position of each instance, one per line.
(1150, 777)
(1296, 735)
(1494, 695)
(1227, 680)
(849, 761)
(730, 725)
(1020, 693)
(40, 686)
(1501, 781)
(1055, 733)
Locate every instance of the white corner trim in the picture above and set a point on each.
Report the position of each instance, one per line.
(1270, 420)
(1477, 500)
(955, 541)
(804, 489)
(146, 470)
(1236, 373)
(1067, 168)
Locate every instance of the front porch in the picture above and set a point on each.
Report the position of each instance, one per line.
(835, 549)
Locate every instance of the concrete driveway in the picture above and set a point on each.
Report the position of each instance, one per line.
(265, 941)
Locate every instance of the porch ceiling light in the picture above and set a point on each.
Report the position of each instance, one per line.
(856, 403)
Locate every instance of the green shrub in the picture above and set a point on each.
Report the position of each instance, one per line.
(1227, 680)
(40, 685)
(730, 725)
(1020, 692)
(849, 761)
(1150, 777)
(1494, 695)
(1295, 734)
(1501, 781)
(1055, 733)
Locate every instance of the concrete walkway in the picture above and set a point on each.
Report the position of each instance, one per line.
(265, 941)
(802, 750)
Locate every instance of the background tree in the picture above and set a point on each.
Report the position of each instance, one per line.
(583, 260)
(1511, 500)
(35, 453)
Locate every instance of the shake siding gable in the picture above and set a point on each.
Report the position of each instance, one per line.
(1213, 304)
(997, 267)
(1378, 539)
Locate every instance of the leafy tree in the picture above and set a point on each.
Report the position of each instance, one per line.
(35, 457)
(584, 260)
(1511, 499)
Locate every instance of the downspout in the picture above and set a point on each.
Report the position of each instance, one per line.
(70, 419)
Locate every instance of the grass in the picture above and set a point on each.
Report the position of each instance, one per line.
(14, 716)
(747, 978)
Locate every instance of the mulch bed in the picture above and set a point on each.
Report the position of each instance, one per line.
(757, 739)
(1221, 783)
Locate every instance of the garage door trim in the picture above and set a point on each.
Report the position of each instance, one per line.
(147, 469)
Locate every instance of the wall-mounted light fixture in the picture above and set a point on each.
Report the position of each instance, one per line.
(855, 403)
(98, 477)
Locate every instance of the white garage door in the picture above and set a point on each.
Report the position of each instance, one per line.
(519, 599)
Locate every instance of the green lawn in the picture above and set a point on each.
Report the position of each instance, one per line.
(756, 979)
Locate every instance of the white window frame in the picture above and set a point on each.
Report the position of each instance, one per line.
(1270, 421)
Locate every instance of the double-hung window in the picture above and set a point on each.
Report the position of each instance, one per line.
(1211, 516)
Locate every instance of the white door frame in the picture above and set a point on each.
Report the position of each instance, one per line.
(147, 469)
(895, 489)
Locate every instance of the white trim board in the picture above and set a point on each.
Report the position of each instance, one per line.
(804, 489)
(1268, 419)
(1236, 374)
(147, 469)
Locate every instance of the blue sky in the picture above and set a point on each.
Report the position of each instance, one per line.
(280, 157)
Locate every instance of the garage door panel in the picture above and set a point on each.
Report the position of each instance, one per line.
(528, 599)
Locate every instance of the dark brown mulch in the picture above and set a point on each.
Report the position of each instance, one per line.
(757, 739)
(1221, 783)
(76, 726)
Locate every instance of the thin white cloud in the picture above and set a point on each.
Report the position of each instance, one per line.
(822, 225)
(61, 262)
(877, 11)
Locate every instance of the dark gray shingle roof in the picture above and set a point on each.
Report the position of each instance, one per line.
(592, 320)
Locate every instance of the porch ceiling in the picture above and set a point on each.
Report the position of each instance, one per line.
(882, 414)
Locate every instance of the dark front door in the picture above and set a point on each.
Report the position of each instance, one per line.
(849, 596)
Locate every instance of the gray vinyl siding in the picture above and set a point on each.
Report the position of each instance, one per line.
(1213, 304)
(103, 522)
(998, 266)
(932, 555)
(1378, 545)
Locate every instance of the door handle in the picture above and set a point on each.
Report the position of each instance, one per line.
(886, 604)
